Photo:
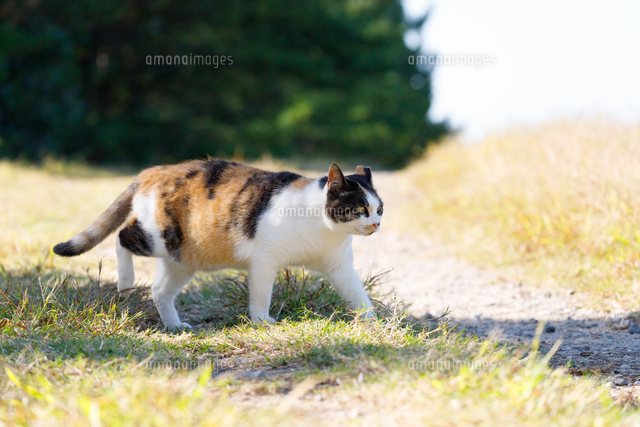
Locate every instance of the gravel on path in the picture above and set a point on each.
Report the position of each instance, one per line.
(432, 281)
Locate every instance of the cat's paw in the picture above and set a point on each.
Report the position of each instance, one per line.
(263, 319)
(178, 327)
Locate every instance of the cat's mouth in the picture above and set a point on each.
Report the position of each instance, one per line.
(368, 230)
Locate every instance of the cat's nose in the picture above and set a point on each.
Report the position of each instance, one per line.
(376, 225)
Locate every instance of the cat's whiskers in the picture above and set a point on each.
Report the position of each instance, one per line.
(342, 246)
(381, 237)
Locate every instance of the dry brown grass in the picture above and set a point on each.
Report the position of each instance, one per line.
(560, 203)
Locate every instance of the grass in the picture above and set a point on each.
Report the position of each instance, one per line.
(74, 352)
(557, 204)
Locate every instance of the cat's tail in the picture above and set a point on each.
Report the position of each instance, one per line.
(107, 223)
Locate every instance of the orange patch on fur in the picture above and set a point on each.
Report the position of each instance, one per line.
(205, 228)
(301, 183)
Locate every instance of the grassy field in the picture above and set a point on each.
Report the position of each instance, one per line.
(557, 205)
(75, 353)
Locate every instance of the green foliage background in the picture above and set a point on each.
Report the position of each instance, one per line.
(326, 77)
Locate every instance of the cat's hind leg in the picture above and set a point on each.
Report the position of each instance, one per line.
(132, 240)
(170, 279)
(126, 274)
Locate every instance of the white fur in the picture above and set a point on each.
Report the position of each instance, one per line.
(295, 230)
(170, 279)
(79, 239)
(126, 274)
(144, 208)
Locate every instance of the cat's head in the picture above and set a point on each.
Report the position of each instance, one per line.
(352, 205)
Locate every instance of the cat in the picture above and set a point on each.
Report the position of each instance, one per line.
(213, 214)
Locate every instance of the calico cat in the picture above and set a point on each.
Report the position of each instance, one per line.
(213, 214)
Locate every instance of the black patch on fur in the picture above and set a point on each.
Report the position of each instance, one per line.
(65, 249)
(136, 240)
(192, 173)
(343, 202)
(366, 183)
(213, 170)
(185, 200)
(164, 194)
(249, 186)
(179, 183)
(323, 181)
(367, 173)
(172, 235)
(263, 186)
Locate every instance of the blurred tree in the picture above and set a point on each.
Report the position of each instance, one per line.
(77, 78)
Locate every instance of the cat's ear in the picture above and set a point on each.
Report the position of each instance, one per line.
(364, 171)
(336, 177)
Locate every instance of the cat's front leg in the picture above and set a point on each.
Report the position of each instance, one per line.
(262, 273)
(347, 283)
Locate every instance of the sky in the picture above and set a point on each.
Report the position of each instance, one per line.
(552, 60)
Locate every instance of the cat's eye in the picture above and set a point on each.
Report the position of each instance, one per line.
(379, 210)
(361, 209)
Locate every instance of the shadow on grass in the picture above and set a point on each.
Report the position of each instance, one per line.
(65, 317)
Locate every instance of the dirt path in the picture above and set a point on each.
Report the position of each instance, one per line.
(432, 280)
